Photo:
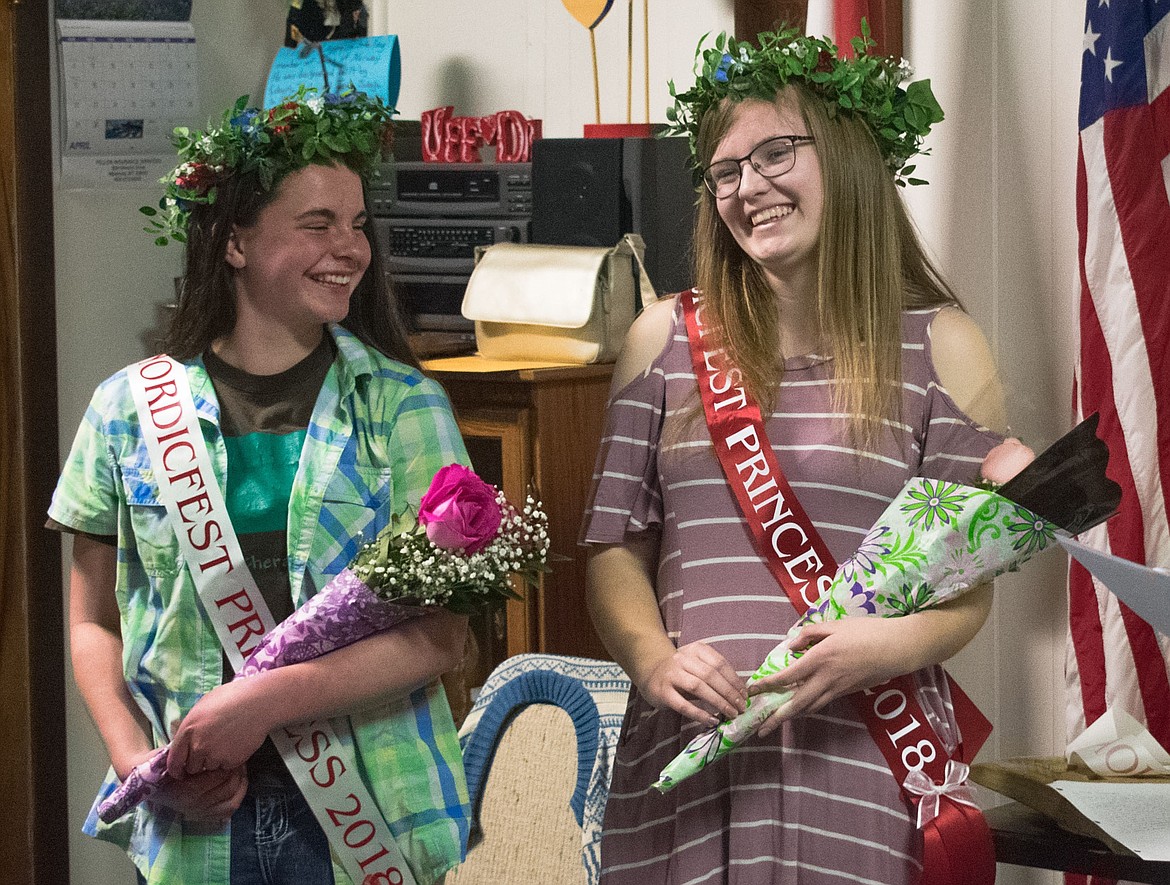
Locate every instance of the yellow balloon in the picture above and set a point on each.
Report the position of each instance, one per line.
(588, 12)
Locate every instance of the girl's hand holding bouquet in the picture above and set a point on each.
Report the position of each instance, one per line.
(936, 541)
(458, 553)
(883, 644)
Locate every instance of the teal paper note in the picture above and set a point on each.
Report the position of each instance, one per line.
(371, 64)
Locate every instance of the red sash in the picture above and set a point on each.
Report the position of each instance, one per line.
(957, 848)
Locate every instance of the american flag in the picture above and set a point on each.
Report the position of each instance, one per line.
(1116, 660)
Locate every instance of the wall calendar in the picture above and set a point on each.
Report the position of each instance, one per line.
(124, 86)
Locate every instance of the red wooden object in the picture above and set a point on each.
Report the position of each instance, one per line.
(450, 139)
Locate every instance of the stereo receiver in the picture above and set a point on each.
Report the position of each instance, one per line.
(453, 189)
(429, 218)
(443, 245)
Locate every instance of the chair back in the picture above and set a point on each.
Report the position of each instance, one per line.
(538, 748)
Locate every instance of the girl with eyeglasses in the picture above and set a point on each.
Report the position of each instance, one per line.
(815, 300)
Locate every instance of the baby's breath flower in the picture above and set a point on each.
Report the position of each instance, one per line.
(403, 564)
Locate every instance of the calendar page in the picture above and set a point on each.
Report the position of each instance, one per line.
(125, 85)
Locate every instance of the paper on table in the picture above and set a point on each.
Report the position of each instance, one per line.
(1145, 590)
(1117, 745)
(1136, 815)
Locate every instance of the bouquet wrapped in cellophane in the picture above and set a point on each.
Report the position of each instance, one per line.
(935, 541)
(458, 552)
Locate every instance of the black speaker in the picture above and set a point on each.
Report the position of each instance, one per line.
(591, 191)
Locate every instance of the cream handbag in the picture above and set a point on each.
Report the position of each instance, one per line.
(569, 304)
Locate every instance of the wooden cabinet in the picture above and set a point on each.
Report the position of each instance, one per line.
(541, 424)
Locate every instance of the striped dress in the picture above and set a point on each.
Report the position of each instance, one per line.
(815, 802)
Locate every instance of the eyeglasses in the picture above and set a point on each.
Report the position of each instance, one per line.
(771, 159)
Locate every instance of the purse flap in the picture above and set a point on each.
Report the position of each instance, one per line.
(536, 284)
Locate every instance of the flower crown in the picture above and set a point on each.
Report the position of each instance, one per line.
(868, 87)
(347, 126)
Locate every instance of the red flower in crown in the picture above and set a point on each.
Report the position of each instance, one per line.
(199, 178)
(282, 112)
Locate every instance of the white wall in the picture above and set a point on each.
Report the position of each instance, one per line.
(532, 56)
(998, 216)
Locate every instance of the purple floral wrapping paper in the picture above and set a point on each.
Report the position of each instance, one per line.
(345, 611)
(341, 614)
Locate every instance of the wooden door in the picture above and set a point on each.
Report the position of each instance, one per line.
(33, 837)
(754, 16)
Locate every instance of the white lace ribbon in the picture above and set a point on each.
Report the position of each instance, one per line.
(954, 787)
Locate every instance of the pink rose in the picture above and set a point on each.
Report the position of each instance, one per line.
(1006, 460)
(459, 510)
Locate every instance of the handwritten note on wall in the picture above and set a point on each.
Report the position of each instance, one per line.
(372, 64)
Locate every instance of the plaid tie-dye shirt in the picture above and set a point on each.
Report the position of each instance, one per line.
(379, 432)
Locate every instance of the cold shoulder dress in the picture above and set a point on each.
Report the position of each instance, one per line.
(814, 803)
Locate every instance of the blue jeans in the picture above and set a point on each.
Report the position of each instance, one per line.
(275, 838)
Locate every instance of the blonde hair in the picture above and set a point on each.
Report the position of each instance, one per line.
(870, 267)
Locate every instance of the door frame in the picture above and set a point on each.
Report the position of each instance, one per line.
(34, 839)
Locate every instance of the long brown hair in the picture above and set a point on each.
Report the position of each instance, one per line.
(207, 301)
(870, 267)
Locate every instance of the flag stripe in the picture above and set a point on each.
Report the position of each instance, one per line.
(1110, 281)
(847, 16)
(1085, 663)
(1088, 647)
(1143, 214)
(1157, 58)
(1152, 680)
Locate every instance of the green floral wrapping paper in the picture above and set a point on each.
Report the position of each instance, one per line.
(935, 541)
